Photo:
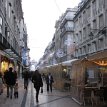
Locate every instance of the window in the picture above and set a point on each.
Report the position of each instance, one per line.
(9, 11)
(106, 16)
(6, 5)
(84, 49)
(89, 48)
(1, 21)
(84, 33)
(92, 76)
(80, 21)
(88, 12)
(94, 7)
(95, 26)
(80, 36)
(101, 3)
(101, 43)
(84, 17)
(94, 47)
(88, 29)
(101, 21)
(106, 41)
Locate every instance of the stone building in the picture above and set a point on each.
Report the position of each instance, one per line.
(90, 27)
(67, 33)
(10, 16)
(90, 35)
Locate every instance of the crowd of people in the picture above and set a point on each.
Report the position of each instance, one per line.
(10, 79)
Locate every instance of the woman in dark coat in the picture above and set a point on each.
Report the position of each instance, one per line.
(37, 80)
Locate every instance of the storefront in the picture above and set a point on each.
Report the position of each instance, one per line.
(61, 73)
(6, 63)
(87, 75)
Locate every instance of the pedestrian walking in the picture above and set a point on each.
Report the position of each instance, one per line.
(1, 84)
(10, 81)
(37, 80)
(49, 81)
(16, 90)
(26, 79)
(43, 77)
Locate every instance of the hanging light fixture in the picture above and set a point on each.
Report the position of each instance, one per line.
(101, 63)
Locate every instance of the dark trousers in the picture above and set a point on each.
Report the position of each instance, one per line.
(49, 87)
(37, 93)
(16, 94)
(25, 84)
(9, 90)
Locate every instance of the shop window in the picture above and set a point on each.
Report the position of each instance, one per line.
(4, 66)
(92, 76)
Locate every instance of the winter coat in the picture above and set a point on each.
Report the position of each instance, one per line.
(9, 78)
(49, 81)
(37, 80)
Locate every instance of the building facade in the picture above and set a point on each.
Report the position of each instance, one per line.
(10, 52)
(67, 33)
(90, 35)
(90, 27)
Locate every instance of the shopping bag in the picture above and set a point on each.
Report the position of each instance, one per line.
(41, 89)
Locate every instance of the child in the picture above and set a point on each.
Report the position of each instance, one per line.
(16, 90)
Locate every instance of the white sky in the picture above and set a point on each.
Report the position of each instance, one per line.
(40, 17)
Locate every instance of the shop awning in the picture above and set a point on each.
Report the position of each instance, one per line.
(69, 62)
(65, 63)
(11, 54)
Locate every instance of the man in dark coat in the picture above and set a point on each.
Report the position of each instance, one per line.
(26, 79)
(10, 80)
(49, 81)
(37, 80)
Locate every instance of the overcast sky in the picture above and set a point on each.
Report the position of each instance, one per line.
(40, 17)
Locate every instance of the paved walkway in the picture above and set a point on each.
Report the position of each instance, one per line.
(46, 99)
(7, 102)
(54, 99)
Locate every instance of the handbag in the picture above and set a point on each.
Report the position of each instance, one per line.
(41, 89)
